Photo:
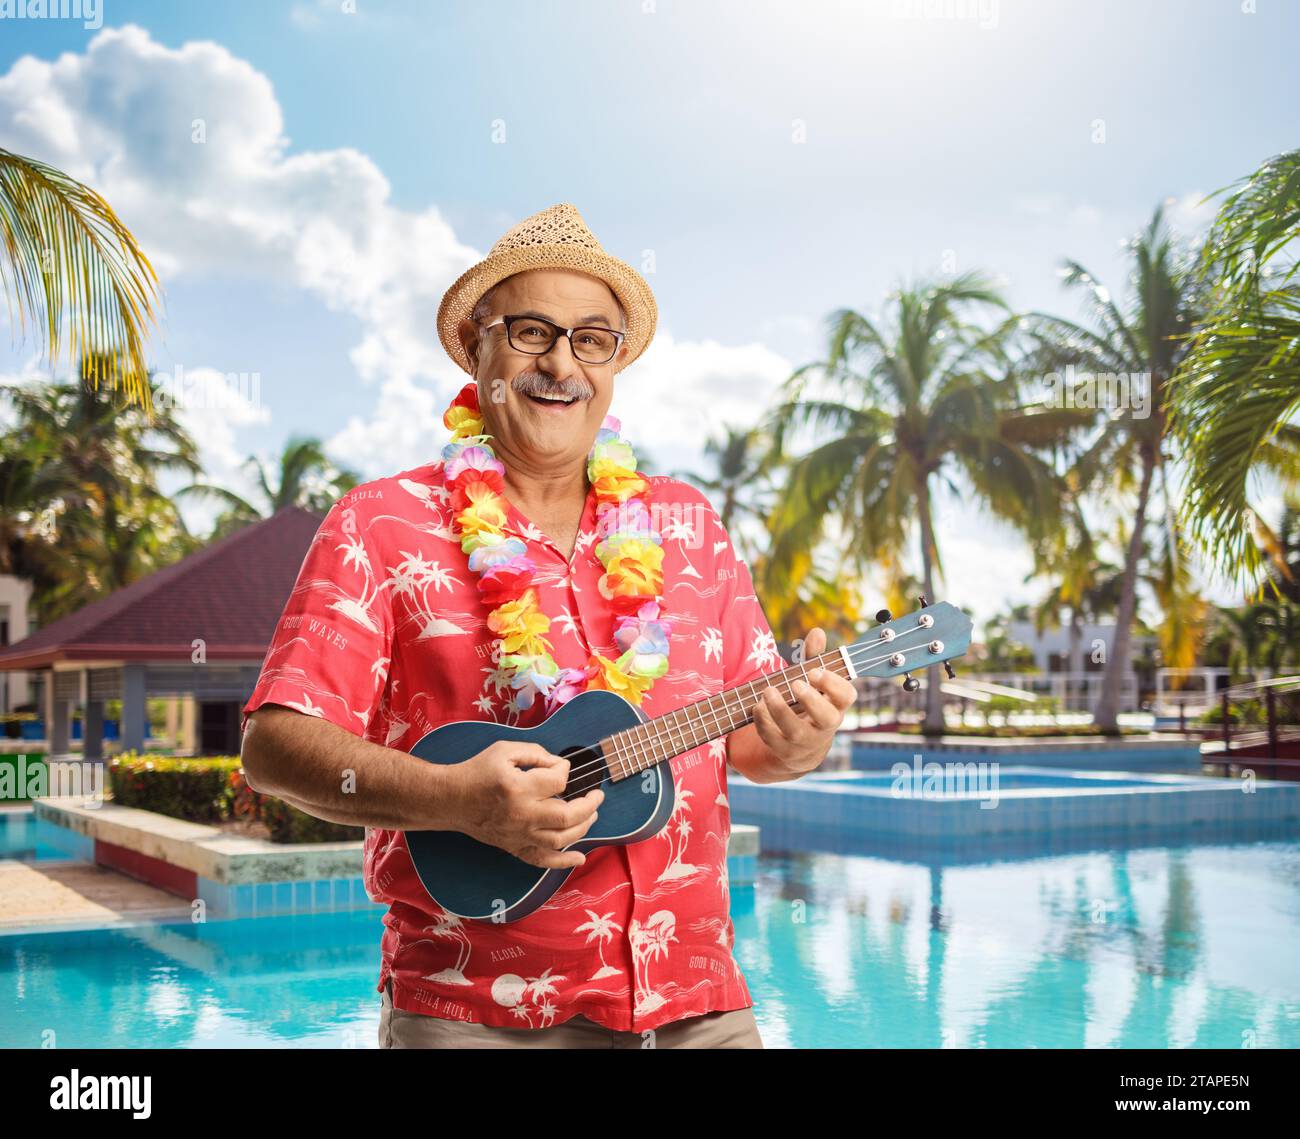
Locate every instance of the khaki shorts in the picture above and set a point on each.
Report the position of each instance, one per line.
(401, 1029)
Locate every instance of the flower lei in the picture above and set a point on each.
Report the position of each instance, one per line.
(631, 550)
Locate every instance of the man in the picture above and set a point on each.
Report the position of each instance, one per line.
(386, 636)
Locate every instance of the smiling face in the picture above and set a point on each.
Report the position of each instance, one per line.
(541, 435)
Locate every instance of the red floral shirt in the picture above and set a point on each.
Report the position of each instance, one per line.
(385, 635)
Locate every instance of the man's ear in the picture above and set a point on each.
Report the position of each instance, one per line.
(467, 334)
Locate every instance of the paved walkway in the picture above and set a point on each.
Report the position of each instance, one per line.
(78, 895)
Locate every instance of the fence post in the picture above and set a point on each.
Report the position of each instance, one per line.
(1182, 717)
(1270, 704)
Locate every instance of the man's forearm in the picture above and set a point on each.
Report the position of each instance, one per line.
(332, 774)
(749, 755)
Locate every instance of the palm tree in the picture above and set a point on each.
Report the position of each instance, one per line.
(1238, 638)
(1283, 552)
(84, 515)
(305, 478)
(28, 483)
(1082, 581)
(1233, 402)
(741, 461)
(1263, 633)
(69, 262)
(1144, 340)
(908, 401)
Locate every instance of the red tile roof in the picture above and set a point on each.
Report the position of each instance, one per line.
(230, 594)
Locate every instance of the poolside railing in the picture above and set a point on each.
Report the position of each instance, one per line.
(1259, 728)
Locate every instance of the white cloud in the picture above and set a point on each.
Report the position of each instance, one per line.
(682, 392)
(189, 146)
(403, 431)
(1191, 214)
(216, 410)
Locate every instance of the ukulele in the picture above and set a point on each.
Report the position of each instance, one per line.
(610, 744)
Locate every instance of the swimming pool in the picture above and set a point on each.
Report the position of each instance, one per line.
(970, 803)
(24, 837)
(1155, 946)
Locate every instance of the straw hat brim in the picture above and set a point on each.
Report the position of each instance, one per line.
(625, 282)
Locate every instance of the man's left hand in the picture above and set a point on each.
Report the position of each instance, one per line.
(800, 740)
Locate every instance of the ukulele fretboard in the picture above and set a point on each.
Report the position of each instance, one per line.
(633, 750)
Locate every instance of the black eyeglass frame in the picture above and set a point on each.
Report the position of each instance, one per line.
(619, 337)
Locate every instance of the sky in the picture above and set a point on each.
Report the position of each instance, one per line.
(309, 176)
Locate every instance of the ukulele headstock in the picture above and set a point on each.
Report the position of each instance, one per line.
(933, 634)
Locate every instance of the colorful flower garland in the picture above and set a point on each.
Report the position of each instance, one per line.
(630, 549)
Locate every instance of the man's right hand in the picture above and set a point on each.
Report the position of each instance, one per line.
(505, 796)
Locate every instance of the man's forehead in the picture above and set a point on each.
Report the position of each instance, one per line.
(581, 293)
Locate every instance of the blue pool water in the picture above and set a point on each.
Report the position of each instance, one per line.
(22, 837)
(1157, 946)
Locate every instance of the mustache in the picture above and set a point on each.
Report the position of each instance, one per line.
(535, 383)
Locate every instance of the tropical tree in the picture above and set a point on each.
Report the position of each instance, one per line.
(72, 268)
(27, 484)
(901, 405)
(302, 476)
(1140, 343)
(1283, 550)
(1082, 581)
(83, 514)
(1001, 652)
(740, 479)
(1234, 399)
(1265, 632)
(827, 597)
(1260, 635)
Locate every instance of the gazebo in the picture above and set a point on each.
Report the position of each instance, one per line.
(197, 629)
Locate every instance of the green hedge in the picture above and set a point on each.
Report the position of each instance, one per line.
(213, 790)
(1240, 712)
(196, 790)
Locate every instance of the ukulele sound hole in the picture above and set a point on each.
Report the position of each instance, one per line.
(586, 770)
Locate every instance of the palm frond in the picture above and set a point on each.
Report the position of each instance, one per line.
(71, 266)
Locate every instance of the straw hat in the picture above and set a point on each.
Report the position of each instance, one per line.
(556, 238)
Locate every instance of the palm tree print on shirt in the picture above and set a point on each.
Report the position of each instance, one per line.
(649, 943)
(601, 928)
(681, 530)
(450, 926)
(677, 837)
(356, 608)
(511, 991)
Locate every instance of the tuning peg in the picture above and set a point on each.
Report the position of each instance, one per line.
(923, 601)
(911, 684)
(948, 669)
(883, 615)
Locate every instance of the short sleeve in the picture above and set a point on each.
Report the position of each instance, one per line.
(330, 651)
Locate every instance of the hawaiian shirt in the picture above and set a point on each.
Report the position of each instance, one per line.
(385, 635)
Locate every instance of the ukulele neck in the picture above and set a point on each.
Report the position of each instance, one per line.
(633, 750)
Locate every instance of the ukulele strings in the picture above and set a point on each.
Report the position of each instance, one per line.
(622, 751)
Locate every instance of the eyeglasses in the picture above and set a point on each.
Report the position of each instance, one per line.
(534, 336)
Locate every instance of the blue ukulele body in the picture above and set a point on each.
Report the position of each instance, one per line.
(473, 880)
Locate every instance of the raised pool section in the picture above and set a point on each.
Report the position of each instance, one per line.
(235, 876)
(877, 751)
(960, 802)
